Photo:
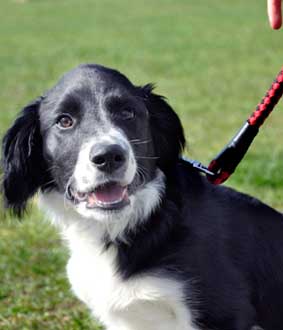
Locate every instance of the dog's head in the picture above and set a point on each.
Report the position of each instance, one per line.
(94, 138)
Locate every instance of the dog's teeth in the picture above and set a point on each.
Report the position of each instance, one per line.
(91, 199)
(125, 194)
(110, 203)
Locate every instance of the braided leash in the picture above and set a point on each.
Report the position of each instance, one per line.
(225, 163)
(268, 102)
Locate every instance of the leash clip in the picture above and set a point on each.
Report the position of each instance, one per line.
(198, 166)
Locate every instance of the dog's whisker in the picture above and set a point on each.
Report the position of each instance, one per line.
(53, 167)
(143, 170)
(141, 142)
(147, 157)
(141, 175)
(49, 182)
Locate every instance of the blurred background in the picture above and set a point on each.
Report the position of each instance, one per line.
(213, 60)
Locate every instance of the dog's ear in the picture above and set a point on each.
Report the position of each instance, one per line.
(22, 159)
(166, 129)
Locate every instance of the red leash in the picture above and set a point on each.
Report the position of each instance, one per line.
(225, 163)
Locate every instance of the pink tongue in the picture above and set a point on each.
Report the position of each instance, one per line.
(109, 193)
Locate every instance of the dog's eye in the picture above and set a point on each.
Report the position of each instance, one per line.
(65, 121)
(127, 114)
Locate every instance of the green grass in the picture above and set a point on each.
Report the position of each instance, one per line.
(213, 60)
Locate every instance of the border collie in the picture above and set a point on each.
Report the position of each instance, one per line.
(153, 245)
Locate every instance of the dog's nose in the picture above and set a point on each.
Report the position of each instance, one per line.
(108, 158)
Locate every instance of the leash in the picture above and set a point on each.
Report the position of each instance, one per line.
(225, 163)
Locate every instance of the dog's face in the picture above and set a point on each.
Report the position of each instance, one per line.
(94, 138)
(97, 140)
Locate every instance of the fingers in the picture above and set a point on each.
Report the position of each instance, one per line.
(274, 13)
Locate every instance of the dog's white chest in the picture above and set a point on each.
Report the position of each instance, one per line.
(145, 302)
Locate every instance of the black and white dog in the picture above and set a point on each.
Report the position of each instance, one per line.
(153, 245)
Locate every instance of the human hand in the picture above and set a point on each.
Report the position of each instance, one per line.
(274, 13)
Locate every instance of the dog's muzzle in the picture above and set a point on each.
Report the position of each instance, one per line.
(104, 167)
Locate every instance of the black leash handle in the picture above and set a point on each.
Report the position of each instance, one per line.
(225, 163)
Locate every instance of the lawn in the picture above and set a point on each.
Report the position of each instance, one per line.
(213, 60)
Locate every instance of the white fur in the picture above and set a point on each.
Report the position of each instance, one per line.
(86, 174)
(145, 302)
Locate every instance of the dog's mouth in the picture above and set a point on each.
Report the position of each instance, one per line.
(108, 196)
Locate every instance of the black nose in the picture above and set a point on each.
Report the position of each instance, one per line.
(108, 158)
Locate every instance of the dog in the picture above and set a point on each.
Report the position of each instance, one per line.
(153, 245)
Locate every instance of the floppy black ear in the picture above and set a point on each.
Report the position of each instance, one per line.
(22, 159)
(167, 131)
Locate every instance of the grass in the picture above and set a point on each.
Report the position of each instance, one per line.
(214, 60)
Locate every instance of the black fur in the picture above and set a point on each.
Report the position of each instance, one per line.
(224, 246)
(168, 137)
(23, 163)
